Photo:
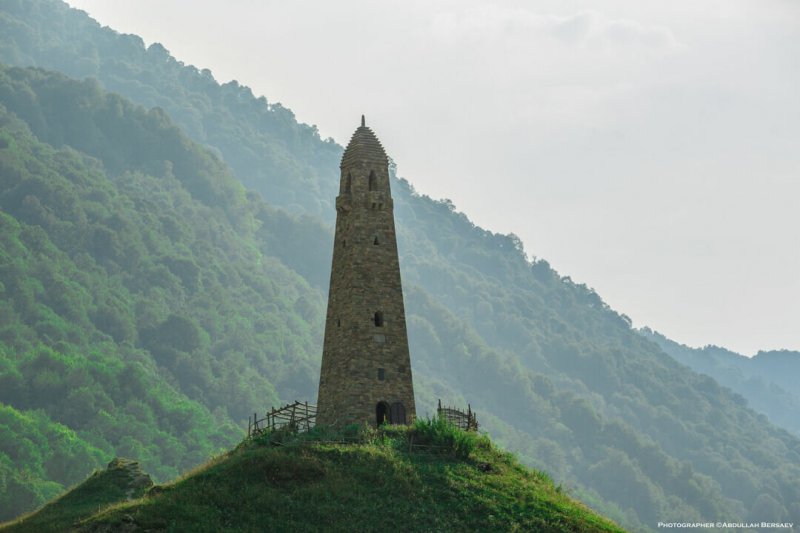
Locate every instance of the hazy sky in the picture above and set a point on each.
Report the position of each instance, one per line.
(648, 149)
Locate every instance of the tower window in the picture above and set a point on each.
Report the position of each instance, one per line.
(381, 374)
(373, 180)
(338, 322)
(374, 205)
(378, 319)
(348, 183)
(375, 241)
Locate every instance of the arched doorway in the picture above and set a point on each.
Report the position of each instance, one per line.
(394, 414)
(382, 413)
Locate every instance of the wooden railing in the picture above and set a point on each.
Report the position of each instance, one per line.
(302, 417)
(466, 421)
(297, 416)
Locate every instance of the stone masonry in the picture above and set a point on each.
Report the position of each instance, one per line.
(366, 368)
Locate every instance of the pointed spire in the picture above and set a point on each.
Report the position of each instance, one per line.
(364, 146)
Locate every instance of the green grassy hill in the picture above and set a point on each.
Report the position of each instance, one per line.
(448, 481)
(120, 481)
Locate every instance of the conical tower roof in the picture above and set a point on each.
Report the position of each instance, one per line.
(364, 146)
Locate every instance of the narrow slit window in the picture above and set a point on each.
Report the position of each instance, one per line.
(348, 183)
(338, 322)
(381, 374)
(373, 180)
(375, 241)
(378, 319)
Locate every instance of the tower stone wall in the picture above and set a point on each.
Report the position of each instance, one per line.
(366, 367)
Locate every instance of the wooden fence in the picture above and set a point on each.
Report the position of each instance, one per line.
(466, 421)
(303, 416)
(297, 416)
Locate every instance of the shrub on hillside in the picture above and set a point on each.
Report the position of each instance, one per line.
(440, 433)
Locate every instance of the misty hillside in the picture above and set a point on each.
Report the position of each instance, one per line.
(151, 303)
(767, 381)
(780, 367)
(262, 142)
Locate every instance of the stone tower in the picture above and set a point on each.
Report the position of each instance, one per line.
(366, 369)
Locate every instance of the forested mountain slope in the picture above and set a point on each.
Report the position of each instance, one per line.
(768, 381)
(553, 372)
(139, 316)
(263, 143)
(780, 367)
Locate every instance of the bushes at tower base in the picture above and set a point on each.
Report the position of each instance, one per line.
(443, 436)
(428, 435)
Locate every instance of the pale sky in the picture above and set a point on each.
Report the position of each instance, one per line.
(648, 149)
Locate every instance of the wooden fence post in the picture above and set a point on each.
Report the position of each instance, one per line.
(297, 416)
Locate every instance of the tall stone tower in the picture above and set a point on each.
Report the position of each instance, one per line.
(366, 368)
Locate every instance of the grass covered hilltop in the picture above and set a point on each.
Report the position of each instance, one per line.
(424, 477)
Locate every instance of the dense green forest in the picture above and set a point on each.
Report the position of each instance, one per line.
(140, 318)
(150, 302)
(768, 381)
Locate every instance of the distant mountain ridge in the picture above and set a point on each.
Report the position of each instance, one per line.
(768, 381)
(552, 371)
(779, 366)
